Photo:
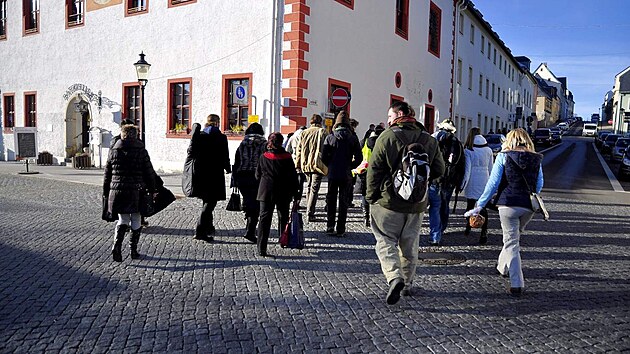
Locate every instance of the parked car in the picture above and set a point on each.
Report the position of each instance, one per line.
(556, 136)
(563, 125)
(624, 166)
(620, 148)
(542, 136)
(589, 129)
(494, 142)
(608, 144)
(600, 136)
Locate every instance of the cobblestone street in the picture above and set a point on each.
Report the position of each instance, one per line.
(61, 292)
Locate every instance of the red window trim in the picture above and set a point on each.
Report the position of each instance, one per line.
(140, 12)
(429, 127)
(5, 112)
(28, 32)
(170, 102)
(343, 84)
(30, 93)
(226, 95)
(393, 98)
(349, 3)
(124, 98)
(180, 3)
(80, 24)
(434, 7)
(403, 32)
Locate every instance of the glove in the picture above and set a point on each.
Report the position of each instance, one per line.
(474, 211)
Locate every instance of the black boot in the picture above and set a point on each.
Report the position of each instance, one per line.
(250, 234)
(119, 236)
(467, 230)
(133, 243)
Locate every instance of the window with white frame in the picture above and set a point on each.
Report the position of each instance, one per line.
(30, 15)
(75, 10)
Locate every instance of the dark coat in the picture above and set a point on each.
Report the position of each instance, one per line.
(341, 153)
(208, 156)
(128, 175)
(278, 177)
(520, 166)
(385, 159)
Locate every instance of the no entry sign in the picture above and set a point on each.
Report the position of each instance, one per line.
(340, 98)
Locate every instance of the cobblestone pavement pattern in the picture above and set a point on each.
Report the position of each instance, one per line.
(61, 292)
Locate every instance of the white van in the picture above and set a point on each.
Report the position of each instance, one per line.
(589, 129)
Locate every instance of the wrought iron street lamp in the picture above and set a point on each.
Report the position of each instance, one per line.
(142, 70)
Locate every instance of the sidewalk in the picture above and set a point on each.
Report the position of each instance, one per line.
(91, 176)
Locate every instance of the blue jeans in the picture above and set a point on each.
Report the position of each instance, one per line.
(435, 225)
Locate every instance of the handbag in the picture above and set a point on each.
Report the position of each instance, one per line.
(234, 204)
(163, 198)
(537, 204)
(293, 234)
(106, 215)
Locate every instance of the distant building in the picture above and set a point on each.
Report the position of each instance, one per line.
(565, 96)
(621, 102)
(492, 89)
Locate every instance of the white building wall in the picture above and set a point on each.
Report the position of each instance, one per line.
(202, 41)
(360, 47)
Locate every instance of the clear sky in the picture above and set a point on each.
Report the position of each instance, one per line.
(587, 41)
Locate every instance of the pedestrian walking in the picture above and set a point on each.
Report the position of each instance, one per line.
(244, 173)
(203, 177)
(341, 153)
(396, 221)
(478, 157)
(361, 170)
(309, 161)
(441, 191)
(291, 146)
(129, 176)
(353, 125)
(278, 186)
(516, 168)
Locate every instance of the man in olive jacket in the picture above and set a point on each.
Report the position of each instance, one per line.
(395, 221)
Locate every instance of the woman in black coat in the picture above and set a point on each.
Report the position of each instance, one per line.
(245, 162)
(129, 175)
(278, 185)
(208, 156)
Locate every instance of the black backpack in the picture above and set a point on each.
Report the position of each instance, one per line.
(411, 177)
(453, 155)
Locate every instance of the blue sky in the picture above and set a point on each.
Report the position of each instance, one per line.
(588, 41)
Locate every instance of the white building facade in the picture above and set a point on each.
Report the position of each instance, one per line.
(277, 62)
(490, 90)
(621, 102)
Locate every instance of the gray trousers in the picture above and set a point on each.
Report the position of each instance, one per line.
(397, 236)
(313, 182)
(513, 222)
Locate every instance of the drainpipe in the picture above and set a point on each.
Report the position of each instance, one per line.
(461, 6)
(273, 67)
(277, 97)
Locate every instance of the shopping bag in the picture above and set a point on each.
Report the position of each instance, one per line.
(293, 234)
(234, 204)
